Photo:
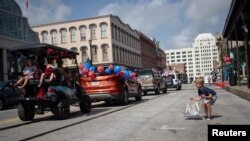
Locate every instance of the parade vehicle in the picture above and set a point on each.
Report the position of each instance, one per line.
(55, 96)
(151, 80)
(111, 86)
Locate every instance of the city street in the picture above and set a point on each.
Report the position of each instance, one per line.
(155, 118)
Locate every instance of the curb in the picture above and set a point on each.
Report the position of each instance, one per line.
(243, 94)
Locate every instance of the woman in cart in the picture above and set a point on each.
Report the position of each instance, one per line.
(27, 73)
(48, 73)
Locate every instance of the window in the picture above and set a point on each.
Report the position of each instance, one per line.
(44, 37)
(172, 53)
(72, 34)
(92, 31)
(103, 30)
(177, 52)
(94, 53)
(105, 52)
(84, 53)
(82, 33)
(53, 37)
(76, 50)
(63, 36)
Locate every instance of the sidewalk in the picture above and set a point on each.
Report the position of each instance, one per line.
(241, 91)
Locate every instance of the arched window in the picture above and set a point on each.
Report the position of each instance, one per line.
(72, 31)
(44, 37)
(105, 52)
(63, 35)
(94, 53)
(92, 28)
(53, 37)
(103, 30)
(82, 33)
(84, 51)
(76, 50)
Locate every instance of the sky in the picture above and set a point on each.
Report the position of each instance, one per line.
(174, 23)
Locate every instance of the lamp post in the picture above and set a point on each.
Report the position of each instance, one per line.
(90, 47)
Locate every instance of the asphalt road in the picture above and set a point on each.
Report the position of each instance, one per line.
(156, 118)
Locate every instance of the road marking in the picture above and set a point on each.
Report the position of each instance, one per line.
(165, 127)
(9, 120)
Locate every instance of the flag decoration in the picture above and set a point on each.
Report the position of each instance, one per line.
(26, 4)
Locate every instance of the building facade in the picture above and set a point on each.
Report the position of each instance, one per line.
(103, 39)
(14, 31)
(148, 52)
(205, 54)
(182, 56)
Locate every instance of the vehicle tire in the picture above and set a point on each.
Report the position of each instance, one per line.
(177, 87)
(125, 96)
(139, 95)
(26, 113)
(165, 89)
(157, 91)
(145, 93)
(1, 104)
(61, 110)
(85, 104)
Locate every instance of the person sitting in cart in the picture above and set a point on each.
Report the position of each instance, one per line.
(27, 73)
(61, 74)
(48, 73)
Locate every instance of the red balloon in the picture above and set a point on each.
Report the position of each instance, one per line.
(85, 71)
(80, 67)
(49, 51)
(111, 67)
(92, 75)
(133, 75)
(122, 74)
(100, 69)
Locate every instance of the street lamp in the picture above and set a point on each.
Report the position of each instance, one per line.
(90, 47)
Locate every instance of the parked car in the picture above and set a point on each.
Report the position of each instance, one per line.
(55, 96)
(172, 81)
(8, 95)
(110, 88)
(151, 81)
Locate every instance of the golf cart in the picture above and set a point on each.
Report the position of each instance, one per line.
(55, 96)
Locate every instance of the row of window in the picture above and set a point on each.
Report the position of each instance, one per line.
(184, 52)
(183, 56)
(206, 40)
(122, 36)
(73, 33)
(94, 49)
(122, 55)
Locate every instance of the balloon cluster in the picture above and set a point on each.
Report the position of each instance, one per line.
(88, 70)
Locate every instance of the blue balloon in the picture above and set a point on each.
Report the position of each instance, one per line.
(117, 69)
(127, 74)
(107, 71)
(92, 68)
(87, 65)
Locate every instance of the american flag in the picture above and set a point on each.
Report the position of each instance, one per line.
(27, 4)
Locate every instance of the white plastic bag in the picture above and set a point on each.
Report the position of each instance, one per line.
(192, 110)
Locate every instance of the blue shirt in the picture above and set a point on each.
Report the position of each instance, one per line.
(206, 91)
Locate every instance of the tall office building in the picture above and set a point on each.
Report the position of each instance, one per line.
(181, 56)
(199, 60)
(205, 54)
